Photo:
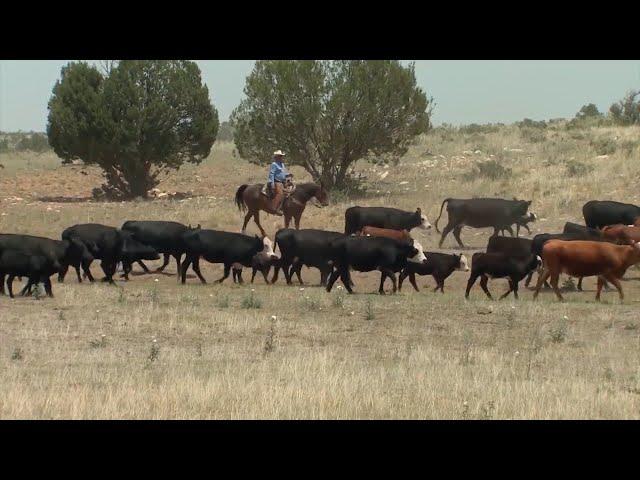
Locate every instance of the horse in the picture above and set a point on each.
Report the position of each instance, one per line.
(249, 198)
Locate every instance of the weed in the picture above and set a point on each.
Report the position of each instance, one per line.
(368, 311)
(271, 341)
(17, 354)
(100, 343)
(154, 352)
(558, 333)
(251, 301)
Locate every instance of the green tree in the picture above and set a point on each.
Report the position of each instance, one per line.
(326, 115)
(627, 110)
(588, 111)
(145, 118)
(35, 142)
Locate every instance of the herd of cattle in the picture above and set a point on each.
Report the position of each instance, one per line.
(374, 238)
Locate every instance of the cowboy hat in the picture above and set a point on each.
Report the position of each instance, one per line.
(278, 153)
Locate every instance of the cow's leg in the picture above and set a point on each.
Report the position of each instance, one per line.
(177, 257)
(440, 284)
(472, 280)
(2, 283)
(86, 268)
(254, 270)
(287, 221)
(511, 289)
(445, 232)
(182, 271)
(456, 234)
(296, 218)
(10, 285)
(383, 277)
(580, 283)
(276, 270)
(542, 278)
(412, 279)
(288, 272)
(401, 277)
(47, 287)
(528, 280)
(227, 269)
(126, 270)
(324, 273)
(332, 279)
(483, 284)
(142, 265)
(510, 230)
(297, 267)
(256, 218)
(196, 268)
(62, 273)
(391, 274)
(616, 283)
(599, 288)
(265, 274)
(246, 220)
(515, 289)
(165, 262)
(555, 276)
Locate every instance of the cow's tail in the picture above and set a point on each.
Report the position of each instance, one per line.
(441, 207)
(239, 201)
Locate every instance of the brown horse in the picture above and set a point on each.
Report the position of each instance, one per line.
(249, 197)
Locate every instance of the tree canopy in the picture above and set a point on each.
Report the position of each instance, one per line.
(326, 115)
(139, 119)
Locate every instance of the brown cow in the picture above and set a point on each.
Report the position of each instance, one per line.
(385, 232)
(581, 258)
(622, 234)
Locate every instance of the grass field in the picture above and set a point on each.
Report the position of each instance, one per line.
(151, 348)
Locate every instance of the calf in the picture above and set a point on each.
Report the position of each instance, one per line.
(481, 213)
(600, 213)
(14, 263)
(308, 247)
(385, 232)
(583, 258)
(262, 261)
(621, 234)
(522, 222)
(355, 218)
(365, 254)
(218, 247)
(439, 265)
(499, 265)
(586, 233)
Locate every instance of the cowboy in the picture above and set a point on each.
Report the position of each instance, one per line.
(277, 175)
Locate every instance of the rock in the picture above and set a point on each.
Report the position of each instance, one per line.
(383, 175)
(602, 157)
(403, 183)
(485, 310)
(477, 152)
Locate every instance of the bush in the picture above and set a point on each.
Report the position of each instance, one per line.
(475, 128)
(576, 168)
(589, 110)
(528, 123)
(225, 133)
(532, 135)
(604, 146)
(4, 145)
(36, 142)
(491, 169)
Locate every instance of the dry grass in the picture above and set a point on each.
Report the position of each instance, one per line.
(413, 355)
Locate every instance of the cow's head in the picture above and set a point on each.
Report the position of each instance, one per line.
(424, 221)
(417, 254)
(463, 263)
(268, 248)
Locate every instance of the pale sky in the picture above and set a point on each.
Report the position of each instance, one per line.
(465, 91)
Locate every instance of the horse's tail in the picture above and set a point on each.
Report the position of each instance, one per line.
(441, 207)
(239, 201)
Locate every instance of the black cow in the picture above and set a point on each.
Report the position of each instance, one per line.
(515, 247)
(600, 213)
(14, 263)
(164, 237)
(439, 265)
(499, 265)
(481, 213)
(587, 233)
(111, 246)
(261, 261)
(218, 247)
(308, 247)
(59, 254)
(355, 218)
(365, 254)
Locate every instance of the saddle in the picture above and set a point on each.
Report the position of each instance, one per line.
(288, 187)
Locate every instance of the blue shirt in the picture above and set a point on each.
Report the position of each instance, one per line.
(277, 172)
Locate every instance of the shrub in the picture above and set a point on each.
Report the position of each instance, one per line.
(604, 146)
(475, 128)
(576, 168)
(532, 135)
(491, 169)
(627, 110)
(528, 123)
